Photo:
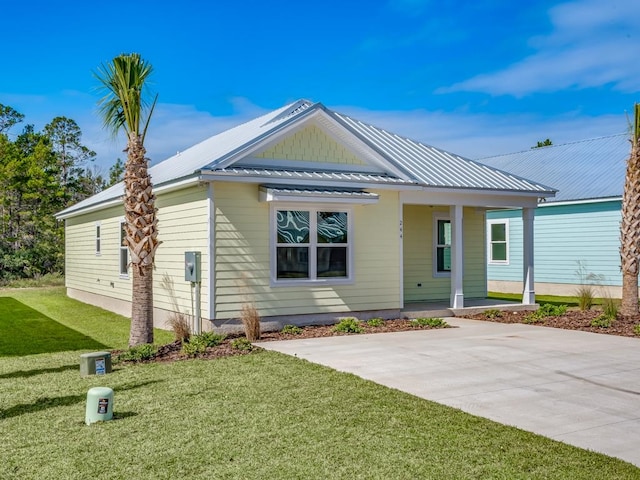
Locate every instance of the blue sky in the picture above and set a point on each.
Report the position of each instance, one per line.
(476, 78)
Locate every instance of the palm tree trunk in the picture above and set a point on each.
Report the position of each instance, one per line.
(141, 238)
(630, 233)
(142, 306)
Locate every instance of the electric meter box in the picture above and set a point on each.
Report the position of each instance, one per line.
(192, 266)
(95, 363)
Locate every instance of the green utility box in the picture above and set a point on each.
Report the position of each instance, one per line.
(99, 405)
(95, 363)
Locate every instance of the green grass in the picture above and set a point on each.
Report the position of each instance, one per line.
(552, 299)
(38, 313)
(263, 415)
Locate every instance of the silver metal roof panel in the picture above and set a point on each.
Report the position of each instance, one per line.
(588, 169)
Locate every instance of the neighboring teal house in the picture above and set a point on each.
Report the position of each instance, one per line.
(577, 233)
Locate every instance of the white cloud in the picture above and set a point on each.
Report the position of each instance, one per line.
(593, 43)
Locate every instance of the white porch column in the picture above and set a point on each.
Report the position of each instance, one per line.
(457, 256)
(528, 294)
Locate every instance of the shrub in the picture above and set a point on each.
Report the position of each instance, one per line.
(375, 322)
(180, 325)
(211, 339)
(585, 296)
(532, 318)
(193, 348)
(251, 321)
(602, 321)
(198, 344)
(610, 307)
(493, 313)
(241, 344)
(292, 330)
(348, 325)
(429, 322)
(139, 353)
(550, 310)
(636, 329)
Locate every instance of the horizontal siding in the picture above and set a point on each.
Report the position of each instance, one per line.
(182, 226)
(418, 254)
(242, 260)
(570, 241)
(87, 271)
(177, 212)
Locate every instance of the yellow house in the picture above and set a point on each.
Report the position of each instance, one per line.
(307, 214)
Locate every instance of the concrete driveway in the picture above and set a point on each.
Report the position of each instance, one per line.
(576, 387)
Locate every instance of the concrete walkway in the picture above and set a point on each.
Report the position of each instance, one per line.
(576, 387)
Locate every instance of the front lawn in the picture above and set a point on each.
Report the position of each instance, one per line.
(262, 415)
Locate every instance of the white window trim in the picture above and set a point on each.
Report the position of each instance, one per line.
(313, 209)
(436, 273)
(98, 242)
(490, 260)
(122, 248)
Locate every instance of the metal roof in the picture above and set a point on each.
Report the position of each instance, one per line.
(584, 170)
(407, 161)
(433, 167)
(269, 174)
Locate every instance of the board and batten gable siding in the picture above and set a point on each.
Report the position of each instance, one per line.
(242, 262)
(418, 233)
(311, 144)
(86, 271)
(182, 226)
(567, 239)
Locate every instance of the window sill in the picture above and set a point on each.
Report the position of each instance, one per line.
(311, 283)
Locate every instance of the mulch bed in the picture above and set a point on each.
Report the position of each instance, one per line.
(571, 320)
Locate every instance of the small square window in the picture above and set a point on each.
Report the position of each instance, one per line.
(498, 242)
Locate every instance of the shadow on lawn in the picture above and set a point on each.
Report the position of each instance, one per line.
(25, 331)
(44, 403)
(39, 371)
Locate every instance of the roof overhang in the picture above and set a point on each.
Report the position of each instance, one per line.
(316, 195)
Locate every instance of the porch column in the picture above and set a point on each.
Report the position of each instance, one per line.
(457, 256)
(528, 294)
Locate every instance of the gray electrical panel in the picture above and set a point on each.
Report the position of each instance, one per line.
(192, 266)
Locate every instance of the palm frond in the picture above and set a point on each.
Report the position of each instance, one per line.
(124, 102)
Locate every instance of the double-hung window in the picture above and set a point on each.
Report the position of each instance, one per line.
(98, 245)
(442, 243)
(311, 244)
(124, 253)
(498, 233)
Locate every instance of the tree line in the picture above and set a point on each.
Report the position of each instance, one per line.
(41, 173)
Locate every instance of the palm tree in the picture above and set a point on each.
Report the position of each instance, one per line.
(122, 108)
(630, 225)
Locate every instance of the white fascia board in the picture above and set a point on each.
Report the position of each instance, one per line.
(469, 199)
(300, 165)
(580, 202)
